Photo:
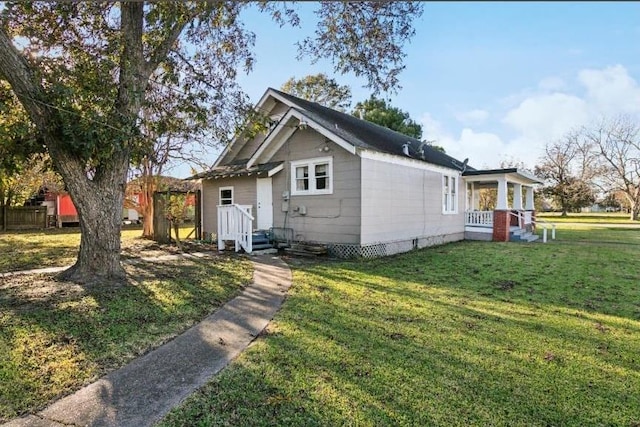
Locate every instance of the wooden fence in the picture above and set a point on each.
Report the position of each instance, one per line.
(23, 217)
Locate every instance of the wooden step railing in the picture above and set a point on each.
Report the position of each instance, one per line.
(235, 222)
(526, 218)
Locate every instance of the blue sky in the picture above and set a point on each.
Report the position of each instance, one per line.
(490, 81)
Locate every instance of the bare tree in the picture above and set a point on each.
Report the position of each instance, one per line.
(569, 167)
(617, 142)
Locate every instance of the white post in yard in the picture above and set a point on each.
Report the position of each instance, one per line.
(517, 197)
(502, 194)
(529, 199)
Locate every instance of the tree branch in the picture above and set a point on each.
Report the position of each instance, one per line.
(162, 50)
(15, 68)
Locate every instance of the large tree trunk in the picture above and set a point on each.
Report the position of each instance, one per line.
(98, 194)
(99, 203)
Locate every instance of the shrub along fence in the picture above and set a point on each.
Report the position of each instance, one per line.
(23, 217)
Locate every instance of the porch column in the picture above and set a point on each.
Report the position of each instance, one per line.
(476, 197)
(501, 203)
(529, 199)
(517, 197)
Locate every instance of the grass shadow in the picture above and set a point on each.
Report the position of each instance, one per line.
(59, 336)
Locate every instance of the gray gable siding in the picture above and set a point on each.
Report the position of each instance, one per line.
(330, 218)
(246, 150)
(249, 148)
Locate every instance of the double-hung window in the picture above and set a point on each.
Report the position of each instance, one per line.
(312, 176)
(226, 196)
(449, 194)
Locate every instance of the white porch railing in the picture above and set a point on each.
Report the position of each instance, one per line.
(235, 222)
(479, 218)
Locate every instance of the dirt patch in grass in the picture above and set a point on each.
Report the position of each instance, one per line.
(506, 285)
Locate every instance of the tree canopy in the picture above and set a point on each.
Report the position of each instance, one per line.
(381, 112)
(321, 89)
(568, 167)
(83, 72)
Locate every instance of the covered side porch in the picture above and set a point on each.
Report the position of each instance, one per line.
(500, 204)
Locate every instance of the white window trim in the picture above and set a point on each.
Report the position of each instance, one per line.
(448, 195)
(311, 163)
(220, 190)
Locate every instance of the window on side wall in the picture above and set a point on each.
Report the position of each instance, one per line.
(449, 194)
(226, 196)
(312, 176)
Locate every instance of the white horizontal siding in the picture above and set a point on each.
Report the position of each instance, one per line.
(401, 203)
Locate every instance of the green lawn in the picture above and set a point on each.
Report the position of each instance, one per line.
(470, 333)
(56, 247)
(57, 336)
(585, 218)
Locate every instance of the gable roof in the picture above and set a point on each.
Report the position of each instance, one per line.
(350, 132)
(366, 135)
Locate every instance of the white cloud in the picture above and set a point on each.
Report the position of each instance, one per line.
(536, 117)
(482, 148)
(611, 90)
(473, 117)
(544, 118)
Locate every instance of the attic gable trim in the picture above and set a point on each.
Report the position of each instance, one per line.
(275, 137)
(272, 93)
(269, 93)
(275, 170)
(405, 161)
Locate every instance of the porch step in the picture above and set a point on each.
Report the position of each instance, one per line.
(517, 234)
(260, 241)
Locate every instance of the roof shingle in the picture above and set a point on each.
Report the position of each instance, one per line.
(367, 135)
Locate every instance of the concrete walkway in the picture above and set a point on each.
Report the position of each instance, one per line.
(142, 392)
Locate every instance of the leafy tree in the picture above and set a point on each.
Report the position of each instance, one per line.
(572, 195)
(84, 70)
(380, 112)
(32, 175)
(321, 89)
(17, 143)
(177, 212)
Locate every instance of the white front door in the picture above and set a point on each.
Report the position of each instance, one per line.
(265, 203)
